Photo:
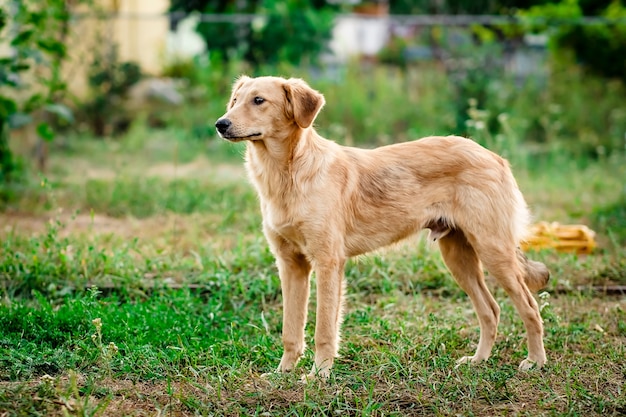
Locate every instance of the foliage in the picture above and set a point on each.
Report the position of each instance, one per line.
(294, 31)
(477, 7)
(543, 112)
(600, 47)
(31, 81)
(109, 82)
(473, 67)
(554, 114)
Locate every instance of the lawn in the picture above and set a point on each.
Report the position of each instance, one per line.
(135, 281)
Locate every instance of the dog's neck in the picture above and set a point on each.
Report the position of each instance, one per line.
(272, 168)
(280, 152)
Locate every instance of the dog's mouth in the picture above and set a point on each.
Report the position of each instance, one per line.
(233, 138)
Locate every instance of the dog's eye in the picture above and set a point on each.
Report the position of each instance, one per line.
(259, 100)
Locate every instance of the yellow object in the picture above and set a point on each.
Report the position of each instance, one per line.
(564, 238)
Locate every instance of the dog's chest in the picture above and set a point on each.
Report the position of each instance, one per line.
(283, 222)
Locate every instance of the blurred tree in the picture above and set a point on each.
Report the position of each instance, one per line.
(291, 30)
(600, 47)
(30, 74)
(476, 7)
(228, 38)
(110, 81)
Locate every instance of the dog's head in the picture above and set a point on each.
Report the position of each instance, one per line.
(266, 108)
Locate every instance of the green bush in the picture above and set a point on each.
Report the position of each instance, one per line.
(600, 47)
(109, 82)
(32, 87)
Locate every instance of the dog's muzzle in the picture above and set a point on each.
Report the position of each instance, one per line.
(222, 126)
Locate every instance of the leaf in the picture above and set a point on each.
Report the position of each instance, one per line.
(52, 46)
(3, 18)
(19, 119)
(8, 79)
(45, 131)
(17, 67)
(22, 37)
(7, 107)
(62, 111)
(37, 19)
(33, 103)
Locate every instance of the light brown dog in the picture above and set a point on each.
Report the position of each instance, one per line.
(323, 203)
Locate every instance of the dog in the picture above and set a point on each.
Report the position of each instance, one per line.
(323, 203)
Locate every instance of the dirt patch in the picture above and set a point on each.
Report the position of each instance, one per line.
(32, 224)
(74, 395)
(169, 229)
(201, 167)
(167, 233)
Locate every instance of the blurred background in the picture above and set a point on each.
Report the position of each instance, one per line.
(540, 82)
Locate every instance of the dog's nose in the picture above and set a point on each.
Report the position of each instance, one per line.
(222, 125)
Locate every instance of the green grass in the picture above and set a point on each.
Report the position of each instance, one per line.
(204, 353)
(134, 280)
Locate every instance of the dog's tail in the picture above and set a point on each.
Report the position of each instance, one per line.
(537, 274)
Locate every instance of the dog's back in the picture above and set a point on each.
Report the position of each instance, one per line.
(435, 182)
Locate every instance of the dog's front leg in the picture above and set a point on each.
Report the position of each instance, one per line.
(294, 271)
(329, 276)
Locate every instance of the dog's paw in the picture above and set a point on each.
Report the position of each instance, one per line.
(468, 360)
(528, 364)
(316, 375)
(288, 362)
(278, 372)
(463, 360)
(308, 378)
(269, 375)
(311, 377)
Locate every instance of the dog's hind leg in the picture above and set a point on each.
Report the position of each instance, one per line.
(464, 264)
(537, 274)
(504, 264)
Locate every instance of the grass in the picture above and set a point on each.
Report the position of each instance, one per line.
(134, 280)
(191, 353)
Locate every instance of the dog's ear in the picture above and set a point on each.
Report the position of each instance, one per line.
(305, 102)
(241, 80)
